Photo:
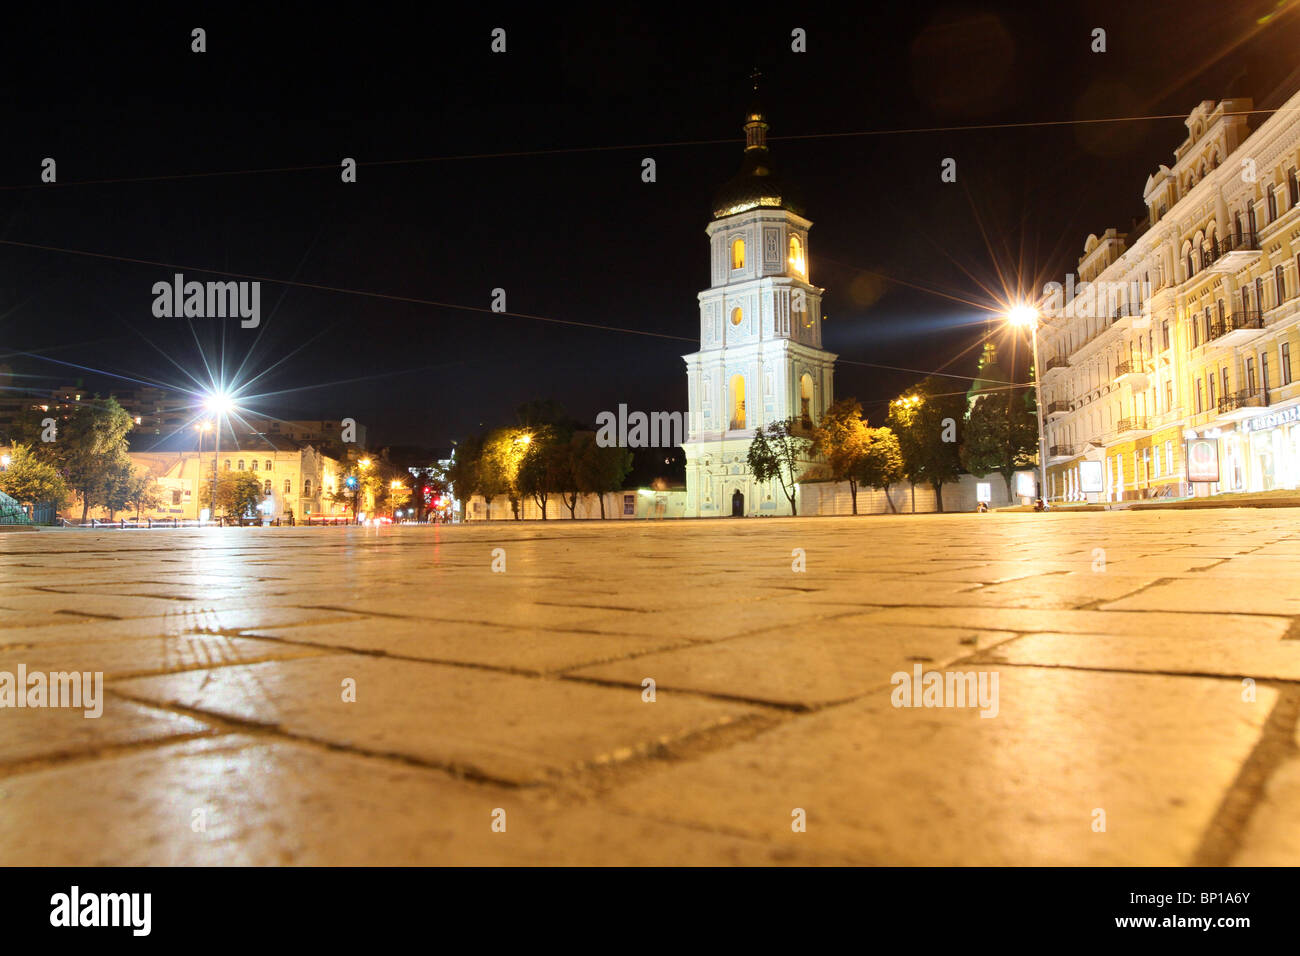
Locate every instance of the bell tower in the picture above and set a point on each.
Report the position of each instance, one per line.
(760, 358)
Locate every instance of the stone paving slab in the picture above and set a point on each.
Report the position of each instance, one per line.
(27, 734)
(836, 662)
(946, 787)
(1255, 657)
(497, 726)
(1272, 837)
(527, 650)
(266, 802)
(148, 655)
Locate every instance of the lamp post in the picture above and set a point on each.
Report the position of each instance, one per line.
(1027, 315)
(202, 427)
(220, 405)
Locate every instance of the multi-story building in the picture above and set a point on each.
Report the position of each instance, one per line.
(1185, 332)
(760, 359)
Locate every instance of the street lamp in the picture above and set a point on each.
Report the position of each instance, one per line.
(1023, 316)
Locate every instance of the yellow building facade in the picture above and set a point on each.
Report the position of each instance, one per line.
(1185, 332)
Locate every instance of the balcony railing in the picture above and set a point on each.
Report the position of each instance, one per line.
(1246, 398)
(1238, 320)
(1125, 368)
(1057, 408)
(1055, 361)
(1132, 425)
(1060, 451)
(1212, 252)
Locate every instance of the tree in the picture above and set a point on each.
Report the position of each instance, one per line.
(89, 446)
(596, 469)
(498, 472)
(841, 437)
(881, 464)
(1001, 436)
(775, 453)
(462, 474)
(29, 480)
(925, 421)
(238, 493)
(545, 469)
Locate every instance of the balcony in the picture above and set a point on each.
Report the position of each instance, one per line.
(1133, 425)
(1242, 404)
(1060, 452)
(1054, 363)
(1130, 315)
(1237, 328)
(1229, 253)
(1133, 374)
(1057, 408)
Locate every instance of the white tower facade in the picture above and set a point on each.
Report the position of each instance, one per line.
(760, 358)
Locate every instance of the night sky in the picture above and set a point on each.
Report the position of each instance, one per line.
(569, 230)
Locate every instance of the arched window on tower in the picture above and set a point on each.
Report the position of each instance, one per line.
(737, 253)
(737, 402)
(797, 263)
(805, 400)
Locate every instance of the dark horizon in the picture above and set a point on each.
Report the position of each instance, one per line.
(549, 204)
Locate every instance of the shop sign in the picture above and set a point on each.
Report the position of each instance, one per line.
(1262, 422)
(1203, 459)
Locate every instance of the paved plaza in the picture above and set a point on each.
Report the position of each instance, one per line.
(478, 694)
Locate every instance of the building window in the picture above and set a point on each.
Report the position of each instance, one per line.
(797, 262)
(1263, 370)
(1272, 204)
(267, 490)
(1279, 277)
(306, 487)
(1223, 375)
(241, 464)
(268, 466)
(1295, 188)
(176, 497)
(254, 464)
(1169, 396)
(1200, 396)
(1250, 377)
(1285, 358)
(805, 400)
(287, 486)
(737, 402)
(1236, 226)
(737, 316)
(1214, 400)
(227, 464)
(737, 253)
(1196, 331)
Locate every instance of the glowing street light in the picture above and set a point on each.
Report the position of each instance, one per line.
(1024, 315)
(219, 403)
